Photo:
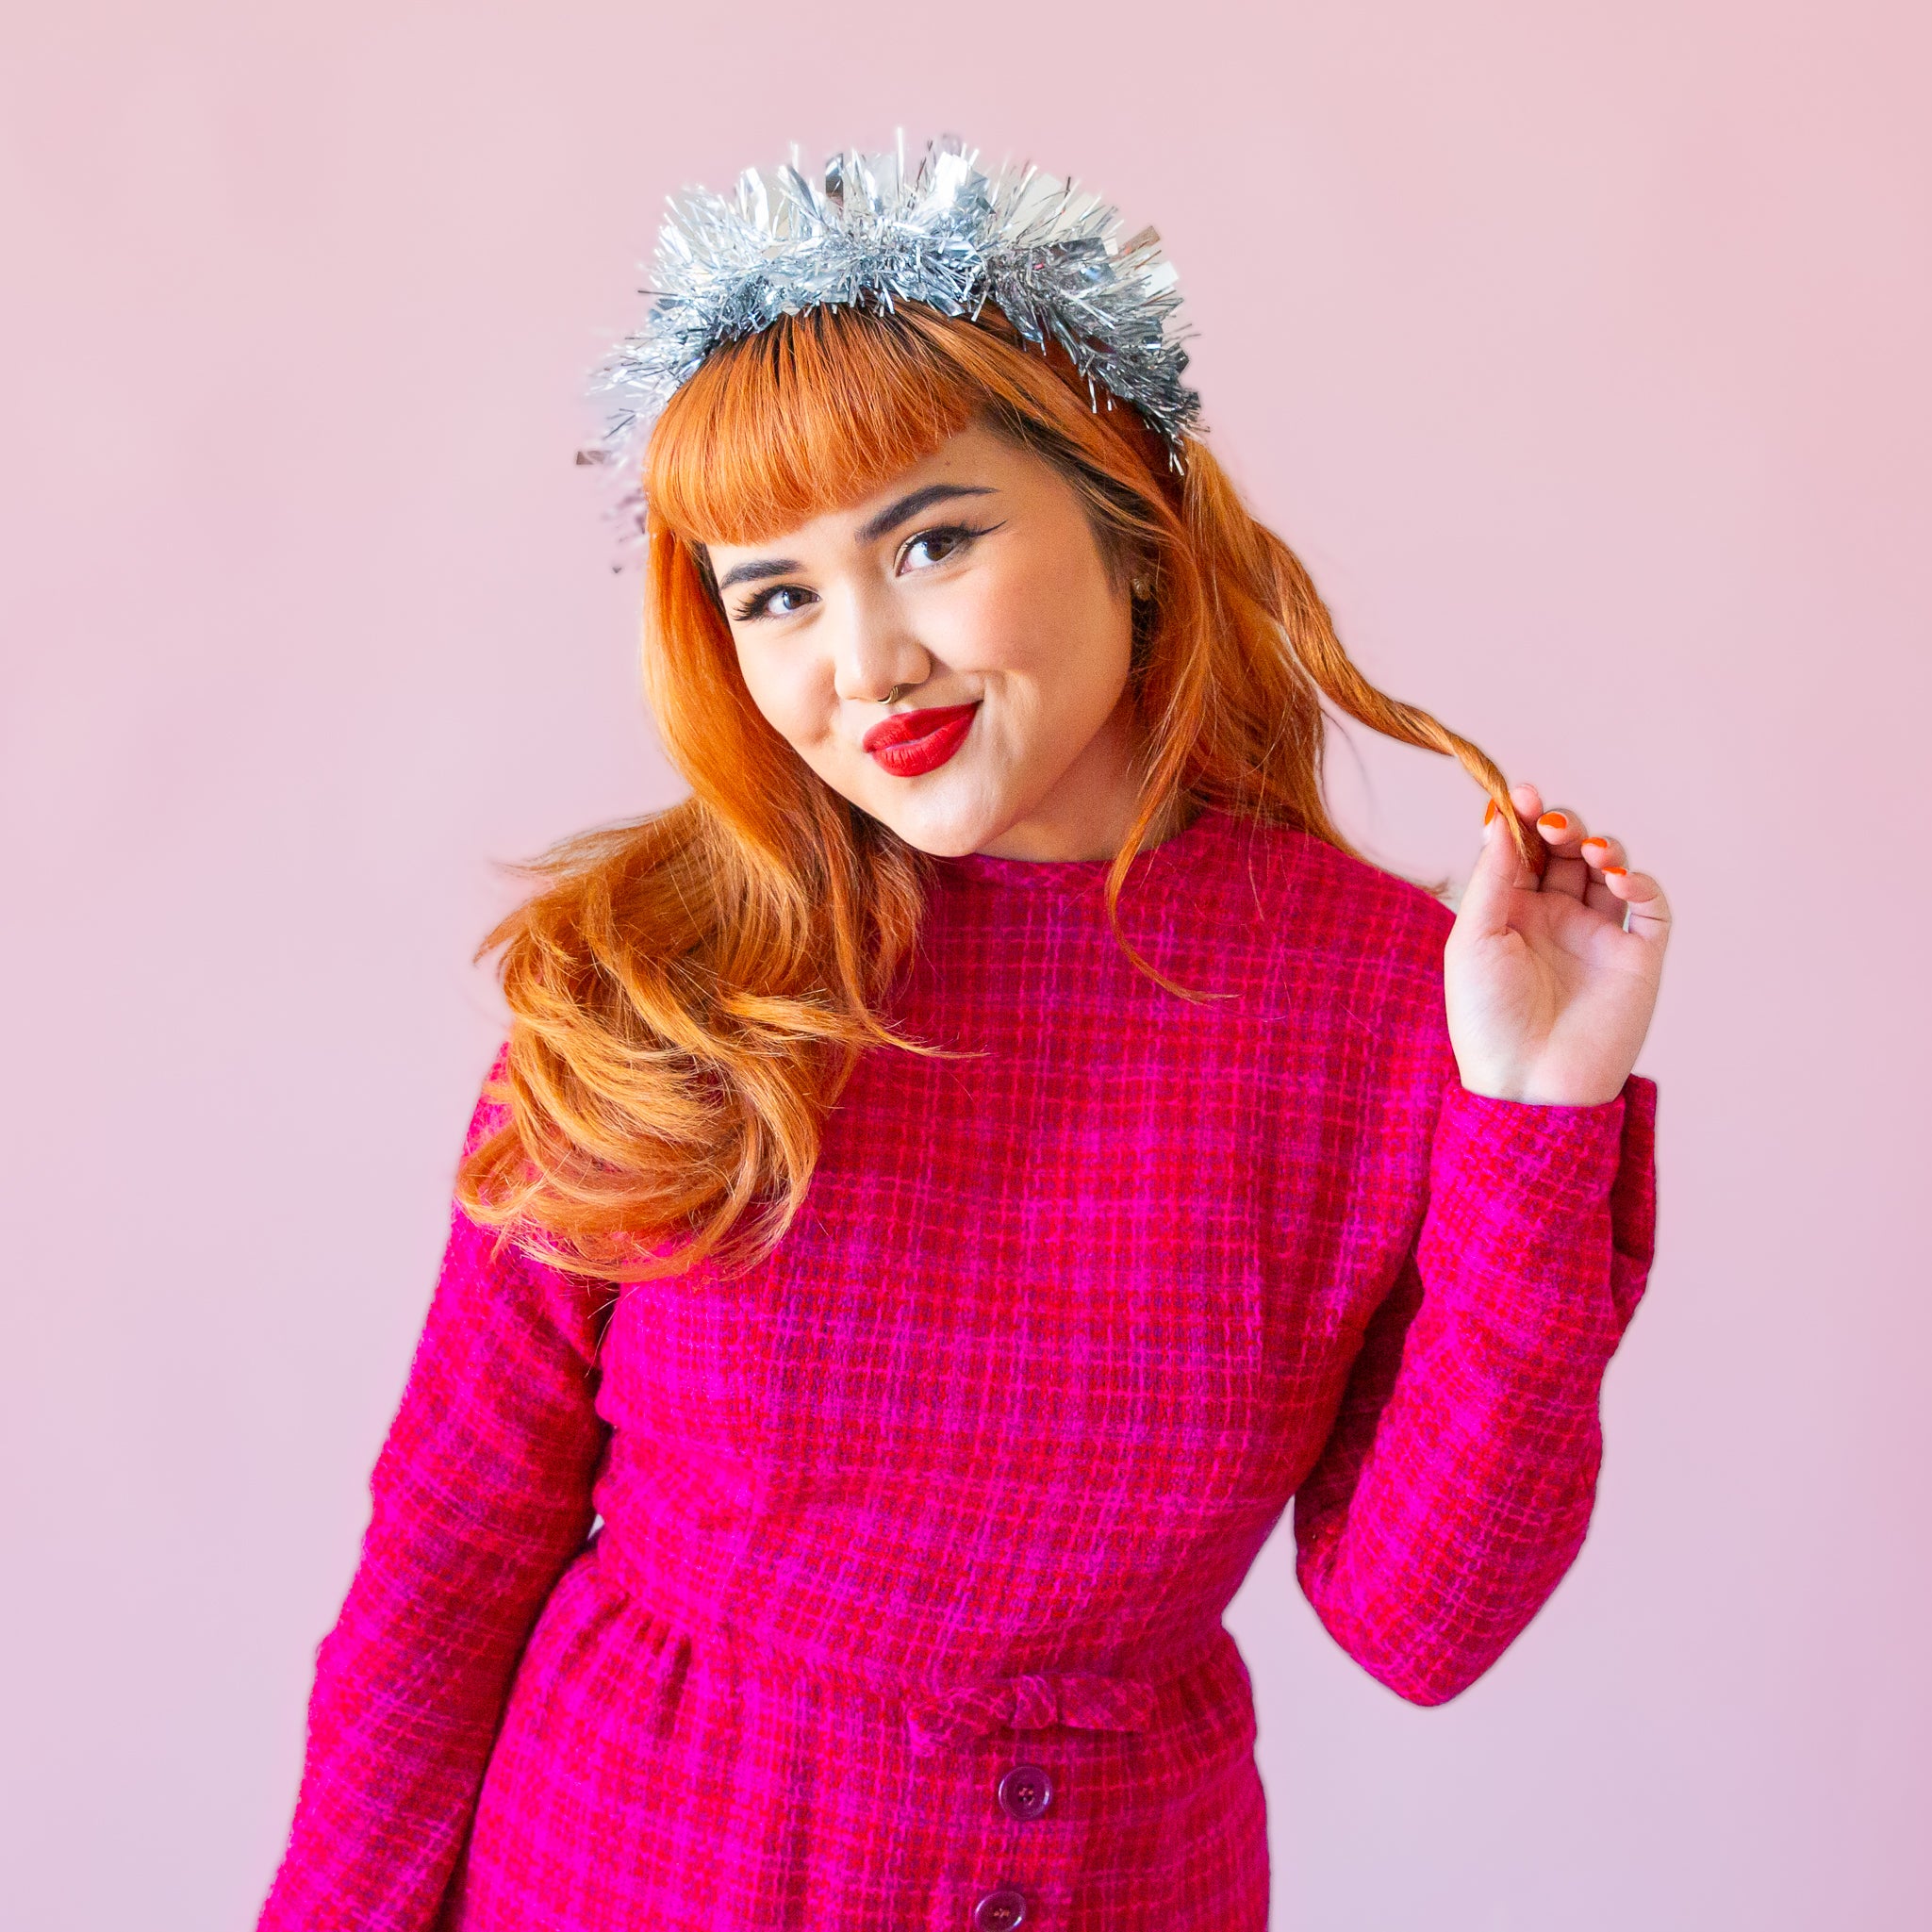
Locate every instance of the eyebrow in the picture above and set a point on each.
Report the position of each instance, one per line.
(914, 501)
(755, 569)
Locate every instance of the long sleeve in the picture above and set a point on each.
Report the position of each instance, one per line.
(1457, 1482)
(480, 1498)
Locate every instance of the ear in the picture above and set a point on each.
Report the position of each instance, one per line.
(1129, 565)
(1143, 587)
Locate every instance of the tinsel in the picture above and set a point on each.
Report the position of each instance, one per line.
(944, 233)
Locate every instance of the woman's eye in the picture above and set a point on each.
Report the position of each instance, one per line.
(781, 601)
(931, 547)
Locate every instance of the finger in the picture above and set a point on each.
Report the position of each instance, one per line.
(1562, 829)
(1598, 852)
(1565, 871)
(1498, 871)
(1528, 802)
(1649, 911)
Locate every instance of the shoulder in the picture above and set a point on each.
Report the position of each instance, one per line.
(1305, 895)
(490, 1111)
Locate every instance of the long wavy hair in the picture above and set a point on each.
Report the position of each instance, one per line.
(689, 993)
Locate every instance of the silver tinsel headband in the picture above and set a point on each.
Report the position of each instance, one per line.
(946, 234)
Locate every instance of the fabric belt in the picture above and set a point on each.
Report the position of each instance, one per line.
(1029, 1703)
(936, 1720)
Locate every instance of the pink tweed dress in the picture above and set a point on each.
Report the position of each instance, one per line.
(880, 1587)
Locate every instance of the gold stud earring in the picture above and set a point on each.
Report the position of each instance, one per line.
(1143, 588)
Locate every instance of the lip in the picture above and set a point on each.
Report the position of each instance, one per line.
(917, 723)
(911, 742)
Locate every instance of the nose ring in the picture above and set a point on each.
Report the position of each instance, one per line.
(894, 691)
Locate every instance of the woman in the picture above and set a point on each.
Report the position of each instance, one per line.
(954, 1177)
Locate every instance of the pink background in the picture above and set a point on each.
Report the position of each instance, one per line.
(1580, 349)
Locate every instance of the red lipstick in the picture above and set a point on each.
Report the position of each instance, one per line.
(912, 742)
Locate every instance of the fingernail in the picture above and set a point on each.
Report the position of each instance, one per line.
(1489, 811)
(1602, 844)
(1555, 820)
(1614, 871)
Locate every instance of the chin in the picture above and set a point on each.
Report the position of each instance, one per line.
(941, 841)
(946, 828)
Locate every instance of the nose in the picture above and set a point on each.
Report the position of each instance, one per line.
(875, 650)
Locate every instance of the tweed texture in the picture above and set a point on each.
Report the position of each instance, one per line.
(963, 1476)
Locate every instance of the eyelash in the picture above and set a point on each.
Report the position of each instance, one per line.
(759, 604)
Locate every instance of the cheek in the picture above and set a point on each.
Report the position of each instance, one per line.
(1029, 623)
(1063, 632)
(791, 688)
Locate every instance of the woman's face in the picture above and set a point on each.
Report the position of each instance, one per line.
(974, 583)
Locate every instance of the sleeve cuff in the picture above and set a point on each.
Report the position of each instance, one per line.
(1515, 1148)
(1519, 1228)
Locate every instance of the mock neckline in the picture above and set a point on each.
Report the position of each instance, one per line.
(1072, 875)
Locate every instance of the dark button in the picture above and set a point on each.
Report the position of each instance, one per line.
(1025, 1791)
(1001, 1911)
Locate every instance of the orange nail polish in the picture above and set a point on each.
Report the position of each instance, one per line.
(1489, 811)
(1614, 871)
(1602, 844)
(1555, 820)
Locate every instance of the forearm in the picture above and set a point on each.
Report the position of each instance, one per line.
(1461, 1473)
(480, 1499)
(408, 1690)
(1464, 1518)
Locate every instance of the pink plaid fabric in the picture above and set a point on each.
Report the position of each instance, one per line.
(905, 1608)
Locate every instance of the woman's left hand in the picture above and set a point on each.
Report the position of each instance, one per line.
(1549, 997)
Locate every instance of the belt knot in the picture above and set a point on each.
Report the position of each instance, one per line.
(1028, 1701)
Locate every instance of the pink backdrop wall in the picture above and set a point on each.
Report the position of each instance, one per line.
(1581, 350)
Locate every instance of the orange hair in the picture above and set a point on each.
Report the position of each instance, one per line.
(689, 993)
